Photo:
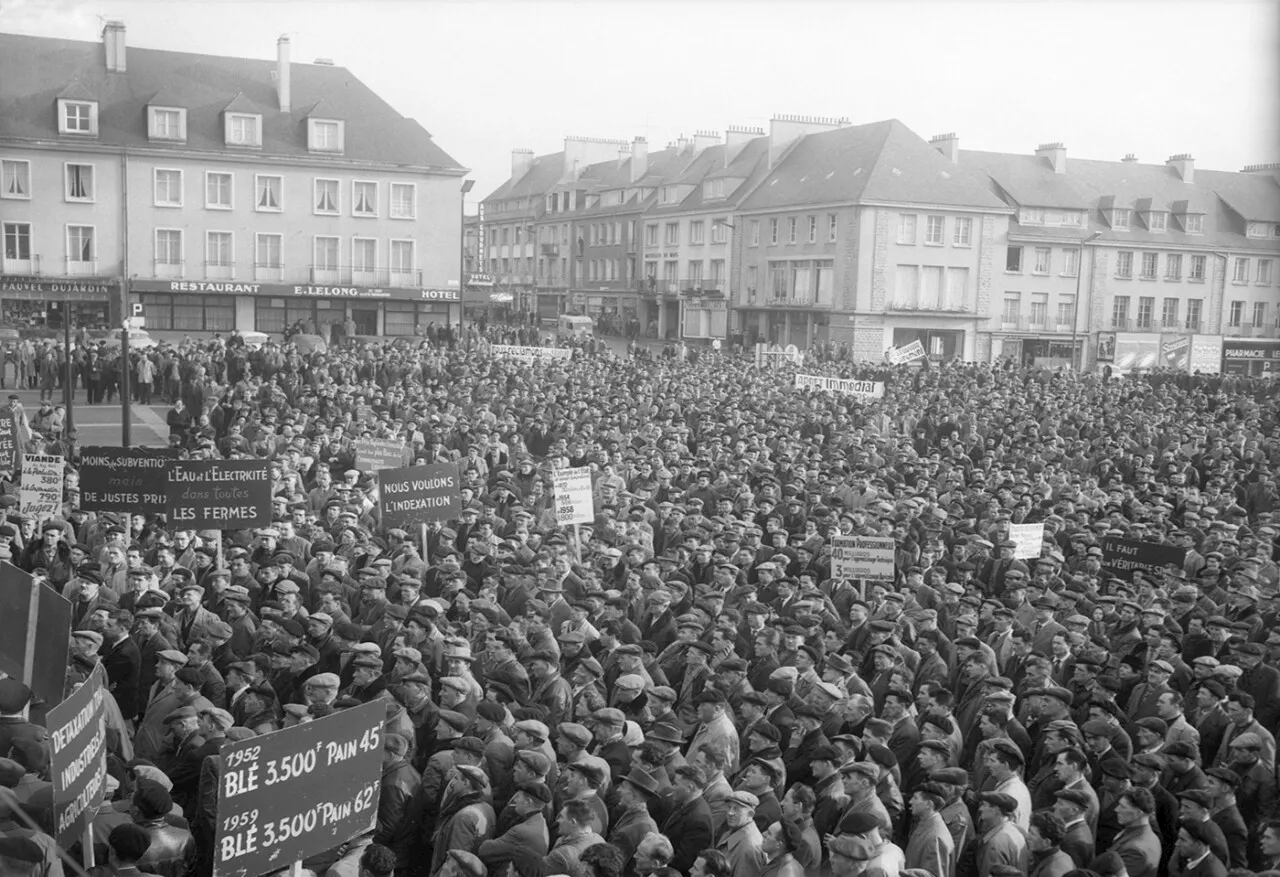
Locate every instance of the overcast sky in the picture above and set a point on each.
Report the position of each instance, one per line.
(1106, 78)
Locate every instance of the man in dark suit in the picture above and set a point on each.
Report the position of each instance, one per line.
(122, 661)
(689, 825)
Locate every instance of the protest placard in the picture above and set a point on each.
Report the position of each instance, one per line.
(219, 494)
(8, 441)
(31, 615)
(572, 489)
(529, 354)
(1028, 540)
(418, 494)
(375, 454)
(299, 791)
(133, 479)
(1123, 556)
(42, 486)
(78, 757)
(910, 353)
(863, 557)
(844, 386)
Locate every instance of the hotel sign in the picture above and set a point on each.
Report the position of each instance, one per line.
(309, 290)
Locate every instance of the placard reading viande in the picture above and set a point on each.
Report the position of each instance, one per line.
(219, 494)
(135, 479)
(297, 792)
(418, 494)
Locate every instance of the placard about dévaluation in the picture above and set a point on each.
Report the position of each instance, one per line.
(863, 557)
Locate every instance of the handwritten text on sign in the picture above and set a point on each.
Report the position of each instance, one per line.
(845, 386)
(419, 494)
(913, 351)
(8, 442)
(1124, 556)
(529, 354)
(863, 557)
(219, 494)
(125, 478)
(574, 504)
(375, 454)
(41, 485)
(294, 793)
(78, 757)
(1028, 540)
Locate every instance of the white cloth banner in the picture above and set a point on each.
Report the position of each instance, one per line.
(529, 354)
(847, 386)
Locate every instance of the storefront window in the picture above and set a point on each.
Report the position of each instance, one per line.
(24, 314)
(412, 318)
(269, 315)
(189, 313)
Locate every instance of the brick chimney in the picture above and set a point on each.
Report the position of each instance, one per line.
(113, 43)
(785, 130)
(639, 159)
(735, 138)
(703, 139)
(1185, 166)
(948, 145)
(283, 90)
(1056, 154)
(1130, 158)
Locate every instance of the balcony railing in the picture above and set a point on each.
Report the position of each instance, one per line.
(219, 270)
(1175, 327)
(1024, 323)
(28, 267)
(907, 306)
(1252, 330)
(167, 269)
(348, 275)
(552, 280)
(265, 272)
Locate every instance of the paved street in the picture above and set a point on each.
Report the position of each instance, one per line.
(100, 424)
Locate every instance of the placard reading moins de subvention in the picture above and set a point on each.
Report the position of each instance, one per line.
(419, 494)
(863, 557)
(136, 479)
(219, 494)
(574, 503)
(297, 792)
(78, 757)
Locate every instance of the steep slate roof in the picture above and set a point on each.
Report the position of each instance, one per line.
(880, 162)
(34, 71)
(1254, 196)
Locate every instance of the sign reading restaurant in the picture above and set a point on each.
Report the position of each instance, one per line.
(317, 290)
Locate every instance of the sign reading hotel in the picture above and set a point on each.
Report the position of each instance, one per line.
(288, 290)
(863, 557)
(530, 354)
(844, 386)
(418, 495)
(219, 494)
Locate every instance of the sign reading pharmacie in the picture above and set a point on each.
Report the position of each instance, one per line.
(289, 290)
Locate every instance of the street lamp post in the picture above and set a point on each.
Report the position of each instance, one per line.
(462, 251)
(1077, 356)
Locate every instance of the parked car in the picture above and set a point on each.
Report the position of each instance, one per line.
(139, 339)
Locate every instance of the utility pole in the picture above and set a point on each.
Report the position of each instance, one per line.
(69, 379)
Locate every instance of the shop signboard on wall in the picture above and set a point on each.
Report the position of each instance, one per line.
(1136, 351)
(293, 290)
(1252, 350)
(1175, 350)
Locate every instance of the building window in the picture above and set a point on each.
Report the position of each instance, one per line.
(833, 227)
(364, 199)
(168, 252)
(1257, 229)
(243, 129)
(651, 234)
(364, 255)
(80, 182)
(813, 229)
(327, 198)
(1070, 263)
(168, 186)
(671, 234)
(1012, 308)
(15, 179)
(1146, 307)
(1194, 307)
(1120, 219)
(1072, 217)
(1039, 309)
(694, 280)
(1264, 271)
(1066, 311)
(1169, 313)
(1124, 264)
(82, 251)
(269, 193)
(1241, 271)
(934, 230)
(1044, 256)
(719, 231)
(1013, 260)
(1193, 223)
(1150, 265)
(217, 190)
(78, 117)
(404, 200)
(907, 229)
(717, 273)
(403, 263)
(962, 235)
(1198, 267)
(1259, 314)
(1120, 312)
(773, 231)
(778, 278)
(1032, 216)
(792, 226)
(326, 253)
(1173, 266)
(268, 251)
(755, 232)
(17, 242)
(713, 189)
(191, 313)
(324, 135)
(697, 232)
(753, 277)
(219, 249)
(1236, 313)
(168, 123)
(1157, 221)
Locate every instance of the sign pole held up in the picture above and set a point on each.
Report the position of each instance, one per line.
(423, 533)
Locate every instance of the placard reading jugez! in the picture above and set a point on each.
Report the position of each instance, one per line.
(297, 792)
(219, 494)
(133, 479)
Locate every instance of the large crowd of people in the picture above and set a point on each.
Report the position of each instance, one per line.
(682, 688)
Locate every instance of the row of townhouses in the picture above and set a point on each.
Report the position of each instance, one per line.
(210, 194)
(868, 237)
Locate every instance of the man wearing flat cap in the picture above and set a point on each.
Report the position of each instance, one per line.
(999, 841)
(526, 840)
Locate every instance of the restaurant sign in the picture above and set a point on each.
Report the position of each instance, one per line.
(308, 290)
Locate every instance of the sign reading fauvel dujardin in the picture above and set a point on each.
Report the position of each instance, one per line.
(574, 501)
(418, 494)
(863, 557)
(219, 494)
(136, 479)
(297, 792)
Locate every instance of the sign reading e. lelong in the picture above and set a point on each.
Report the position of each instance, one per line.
(297, 792)
(219, 494)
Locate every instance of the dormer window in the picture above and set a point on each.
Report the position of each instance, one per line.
(1120, 218)
(1157, 220)
(78, 117)
(243, 129)
(667, 195)
(1258, 229)
(1032, 216)
(167, 123)
(325, 135)
(713, 189)
(1193, 223)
